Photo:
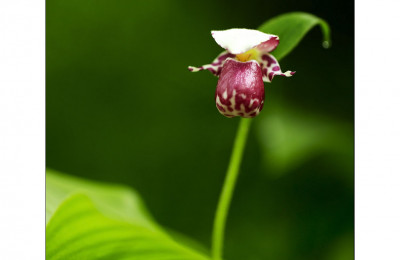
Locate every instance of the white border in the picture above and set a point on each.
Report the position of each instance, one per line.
(377, 130)
(22, 129)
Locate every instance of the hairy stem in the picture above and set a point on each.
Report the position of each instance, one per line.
(227, 190)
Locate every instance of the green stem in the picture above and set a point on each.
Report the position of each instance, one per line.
(227, 190)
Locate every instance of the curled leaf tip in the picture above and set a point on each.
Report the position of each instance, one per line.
(326, 44)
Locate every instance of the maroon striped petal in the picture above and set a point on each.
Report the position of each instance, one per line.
(216, 66)
(271, 68)
(240, 89)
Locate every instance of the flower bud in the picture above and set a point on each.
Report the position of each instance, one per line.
(240, 89)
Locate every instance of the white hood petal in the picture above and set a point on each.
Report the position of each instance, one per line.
(238, 41)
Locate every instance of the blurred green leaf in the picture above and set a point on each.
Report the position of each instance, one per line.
(187, 241)
(90, 220)
(115, 201)
(291, 28)
(78, 230)
(289, 137)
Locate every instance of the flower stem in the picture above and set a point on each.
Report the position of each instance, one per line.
(227, 190)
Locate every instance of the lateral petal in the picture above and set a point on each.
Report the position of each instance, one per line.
(271, 68)
(216, 66)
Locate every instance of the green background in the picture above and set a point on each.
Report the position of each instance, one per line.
(123, 108)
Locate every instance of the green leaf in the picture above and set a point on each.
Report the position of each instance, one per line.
(291, 28)
(78, 230)
(289, 137)
(115, 201)
(90, 220)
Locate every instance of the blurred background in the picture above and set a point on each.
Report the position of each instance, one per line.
(123, 108)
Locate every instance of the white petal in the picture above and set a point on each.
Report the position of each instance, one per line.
(237, 41)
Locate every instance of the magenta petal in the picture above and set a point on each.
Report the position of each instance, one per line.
(240, 89)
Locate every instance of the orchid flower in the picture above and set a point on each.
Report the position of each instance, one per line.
(242, 69)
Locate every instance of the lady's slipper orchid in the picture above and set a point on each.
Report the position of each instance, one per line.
(242, 69)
